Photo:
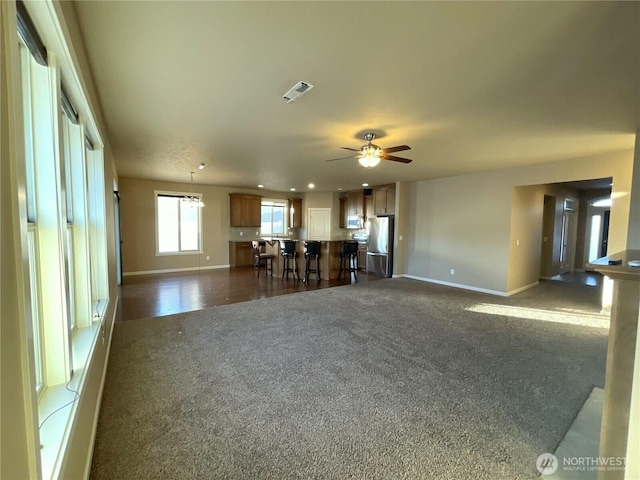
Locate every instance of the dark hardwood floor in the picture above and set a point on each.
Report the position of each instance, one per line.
(166, 294)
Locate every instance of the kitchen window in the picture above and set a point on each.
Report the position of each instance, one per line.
(273, 217)
(178, 223)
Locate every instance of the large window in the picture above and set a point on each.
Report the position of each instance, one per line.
(65, 227)
(65, 214)
(178, 224)
(273, 217)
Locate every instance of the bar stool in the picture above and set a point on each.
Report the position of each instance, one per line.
(312, 256)
(260, 258)
(349, 259)
(289, 256)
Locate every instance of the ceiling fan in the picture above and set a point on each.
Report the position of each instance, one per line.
(369, 155)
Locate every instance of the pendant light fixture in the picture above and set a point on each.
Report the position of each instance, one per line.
(192, 200)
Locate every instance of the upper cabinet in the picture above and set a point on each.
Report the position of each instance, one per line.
(355, 202)
(368, 206)
(295, 212)
(245, 210)
(343, 212)
(384, 200)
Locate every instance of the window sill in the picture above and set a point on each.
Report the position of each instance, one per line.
(171, 254)
(58, 404)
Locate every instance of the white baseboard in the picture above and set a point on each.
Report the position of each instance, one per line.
(522, 289)
(456, 285)
(175, 270)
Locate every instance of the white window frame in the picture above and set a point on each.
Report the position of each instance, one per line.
(266, 202)
(159, 193)
(66, 238)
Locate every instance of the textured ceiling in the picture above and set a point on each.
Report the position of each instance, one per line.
(469, 86)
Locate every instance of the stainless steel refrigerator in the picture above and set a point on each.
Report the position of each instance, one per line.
(380, 246)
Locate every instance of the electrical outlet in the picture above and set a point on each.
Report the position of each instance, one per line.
(207, 257)
(453, 272)
(241, 234)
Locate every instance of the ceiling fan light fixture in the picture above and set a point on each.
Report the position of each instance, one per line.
(370, 156)
(369, 161)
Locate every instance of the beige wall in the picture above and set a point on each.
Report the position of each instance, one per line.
(138, 218)
(464, 222)
(633, 238)
(401, 227)
(460, 223)
(526, 233)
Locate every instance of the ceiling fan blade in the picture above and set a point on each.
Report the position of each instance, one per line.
(341, 158)
(352, 149)
(395, 159)
(399, 148)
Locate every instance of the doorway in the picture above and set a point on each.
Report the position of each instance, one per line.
(565, 233)
(559, 233)
(599, 213)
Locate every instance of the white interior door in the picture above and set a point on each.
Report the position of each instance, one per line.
(319, 223)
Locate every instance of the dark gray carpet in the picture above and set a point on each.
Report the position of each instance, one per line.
(391, 379)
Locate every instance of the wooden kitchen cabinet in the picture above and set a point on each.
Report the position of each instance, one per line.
(355, 202)
(343, 212)
(384, 201)
(240, 254)
(362, 256)
(245, 210)
(368, 206)
(295, 212)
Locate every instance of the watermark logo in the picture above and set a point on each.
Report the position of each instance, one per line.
(547, 464)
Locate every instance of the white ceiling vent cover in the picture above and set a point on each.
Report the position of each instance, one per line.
(298, 90)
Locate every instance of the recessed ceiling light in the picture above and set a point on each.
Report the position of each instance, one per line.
(311, 185)
(292, 189)
(365, 184)
(260, 186)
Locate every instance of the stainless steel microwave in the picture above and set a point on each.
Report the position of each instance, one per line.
(355, 221)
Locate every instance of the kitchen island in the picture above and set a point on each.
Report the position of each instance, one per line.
(329, 261)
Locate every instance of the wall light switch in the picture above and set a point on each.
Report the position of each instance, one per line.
(207, 257)
(241, 234)
(400, 237)
(517, 242)
(453, 272)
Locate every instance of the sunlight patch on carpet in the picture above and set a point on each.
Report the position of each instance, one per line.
(584, 319)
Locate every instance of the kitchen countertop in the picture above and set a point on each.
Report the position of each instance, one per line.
(622, 270)
(273, 239)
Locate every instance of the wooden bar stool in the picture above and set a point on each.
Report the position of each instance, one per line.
(311, 256)
(260, 258)
(289, 256)
(349, 259)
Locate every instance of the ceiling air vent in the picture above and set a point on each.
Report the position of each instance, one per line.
(298, 90)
